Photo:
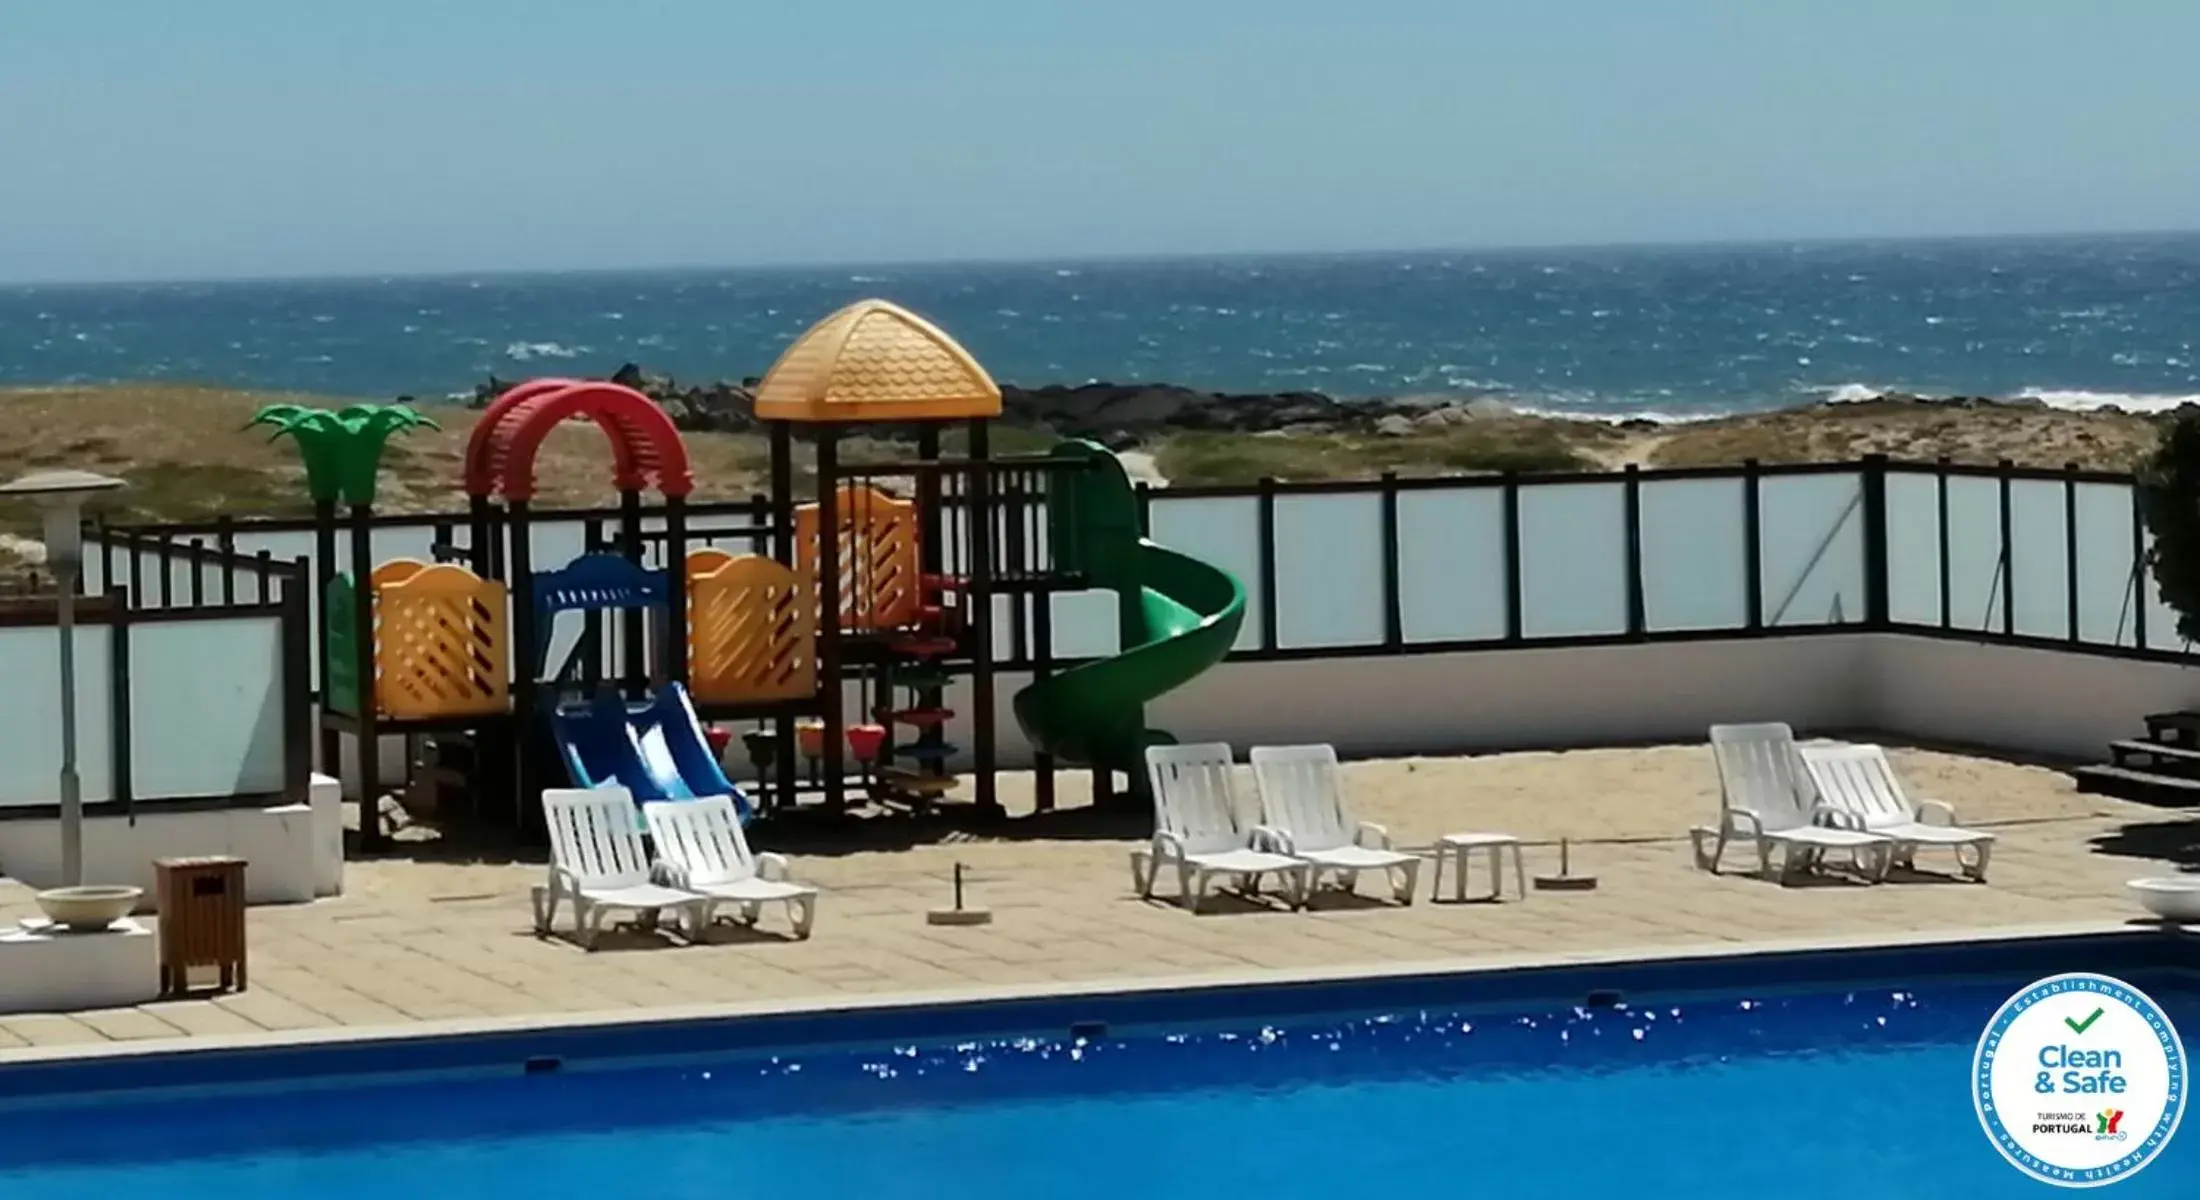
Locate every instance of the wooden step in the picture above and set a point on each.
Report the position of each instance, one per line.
(2162, 753)
(2143, 786)
(916, 784)
(920, 678)
(933, 718)
(2185, 724)
(923, 646)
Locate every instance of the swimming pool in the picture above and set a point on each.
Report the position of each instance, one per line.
(1802, 1076)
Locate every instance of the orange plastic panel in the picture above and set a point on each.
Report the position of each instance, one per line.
(751, 629)
(439, 642)
(878, 556)
(876, 361)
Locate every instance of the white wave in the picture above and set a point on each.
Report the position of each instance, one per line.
(1652, 415)
(2083, 401)
(2068, 399)
(524, 351)
(1853, 393)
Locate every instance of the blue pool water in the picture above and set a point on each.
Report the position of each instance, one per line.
(1857, 1089)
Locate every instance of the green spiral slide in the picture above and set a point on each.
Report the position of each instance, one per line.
(1178, 617)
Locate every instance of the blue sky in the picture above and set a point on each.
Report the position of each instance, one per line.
(153, 139)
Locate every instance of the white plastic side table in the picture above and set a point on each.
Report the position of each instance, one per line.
(1459, 849)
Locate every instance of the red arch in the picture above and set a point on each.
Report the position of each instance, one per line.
(480, 472)
(646, 448)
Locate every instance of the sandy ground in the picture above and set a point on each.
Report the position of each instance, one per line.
(420, 939)
(1141, 467)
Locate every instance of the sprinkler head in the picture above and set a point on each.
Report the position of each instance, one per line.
(959, 915)
(1565, 880)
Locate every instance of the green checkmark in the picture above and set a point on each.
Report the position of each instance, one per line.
(2082, 1026)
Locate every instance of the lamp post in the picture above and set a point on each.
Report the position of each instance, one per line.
(60, 497)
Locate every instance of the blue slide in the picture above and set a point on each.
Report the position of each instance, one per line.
(655, 750)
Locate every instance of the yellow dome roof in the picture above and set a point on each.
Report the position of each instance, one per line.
(876, 361)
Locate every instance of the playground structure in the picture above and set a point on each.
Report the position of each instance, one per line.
(885, 587)
(2004, 606)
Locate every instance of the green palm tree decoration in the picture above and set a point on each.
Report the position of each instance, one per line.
(341, 448)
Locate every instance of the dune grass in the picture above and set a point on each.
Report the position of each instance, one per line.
(187, 455)
(2042, 437)
(1482, 446)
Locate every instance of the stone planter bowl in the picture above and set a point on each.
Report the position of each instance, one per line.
(2170, 897)
(91, 907)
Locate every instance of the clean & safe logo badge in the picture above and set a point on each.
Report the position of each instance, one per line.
(2079, 1080)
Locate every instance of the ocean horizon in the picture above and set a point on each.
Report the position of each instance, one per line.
(1663, 332)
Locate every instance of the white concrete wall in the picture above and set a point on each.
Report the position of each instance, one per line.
(2018, 700)
(292, 852)
(1487, 699)
(2041, 702)
(1496, 699)
(326, 798)
(2024, 701)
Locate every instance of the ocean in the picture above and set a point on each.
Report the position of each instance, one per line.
(1640, 331)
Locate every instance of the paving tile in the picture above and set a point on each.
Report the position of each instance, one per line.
(129, 1024)
(200, 1018)
(50, 1030)
(426, 940)
(269, 1010)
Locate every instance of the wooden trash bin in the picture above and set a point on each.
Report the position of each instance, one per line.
(201, 920)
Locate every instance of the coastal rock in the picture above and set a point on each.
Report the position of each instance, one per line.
(1484, 409)
(1128, 414)
(1111, 413)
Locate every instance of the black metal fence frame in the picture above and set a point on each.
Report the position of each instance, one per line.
(280, 592)
(189, 543)
(1873, 471)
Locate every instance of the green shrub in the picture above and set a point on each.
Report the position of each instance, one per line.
(1236, 459)
(2169, 503)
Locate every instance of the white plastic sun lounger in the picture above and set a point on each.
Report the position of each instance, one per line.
(1196, 829)
(1302, 814)
(1859, 781)
(700, 848)
(597, 860)
(1766, 798)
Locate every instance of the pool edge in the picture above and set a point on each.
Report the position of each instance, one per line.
(1096, 989)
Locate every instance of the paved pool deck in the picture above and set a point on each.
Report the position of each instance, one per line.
(418, 941)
